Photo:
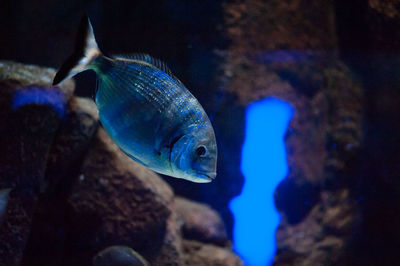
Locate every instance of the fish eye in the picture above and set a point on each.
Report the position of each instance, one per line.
(201, 150)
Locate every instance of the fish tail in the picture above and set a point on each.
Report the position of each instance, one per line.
(86, 50)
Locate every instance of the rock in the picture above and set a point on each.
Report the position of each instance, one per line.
(50, 226)
(117, 201)
(276, 49)
(375, 32)
(119, 256)
(295, 199)
(170, 250)
(26, 75)
(70, 146)
(321, 236)
(200, 254)
(389, 8)
(30, 117)
(295, 60)
(200, 222)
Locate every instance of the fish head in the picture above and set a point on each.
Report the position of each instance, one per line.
(194, 156)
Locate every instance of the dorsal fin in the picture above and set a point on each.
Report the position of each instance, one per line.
(151, 60)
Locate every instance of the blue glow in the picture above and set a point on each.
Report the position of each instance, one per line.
(50, 96)
(288, 56)
(263, 166)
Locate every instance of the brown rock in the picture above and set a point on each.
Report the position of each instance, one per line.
(70, 146)
(170, 251)
(27, 75)
(287, 49)
(320, 237)
(200, 222)
(27, 130)
(117, 201)
(389, 8)
(200, 254)
(50, 226)
(298, 24)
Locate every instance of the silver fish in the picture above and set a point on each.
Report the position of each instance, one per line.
(119, 256)
(147, 111)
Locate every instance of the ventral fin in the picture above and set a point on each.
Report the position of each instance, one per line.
(135, 159)
(151, 60)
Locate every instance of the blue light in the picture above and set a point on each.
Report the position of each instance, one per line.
(263, 166)
(38, 95)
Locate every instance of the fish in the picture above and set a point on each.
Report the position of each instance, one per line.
(148, 112)
(119, 256)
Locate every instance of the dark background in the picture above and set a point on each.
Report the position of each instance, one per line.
(182, 33)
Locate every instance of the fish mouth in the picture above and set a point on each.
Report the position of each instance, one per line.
(209, 176)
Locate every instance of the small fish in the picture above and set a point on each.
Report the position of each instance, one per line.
(146, 110)
(4, 195)
(119, 256)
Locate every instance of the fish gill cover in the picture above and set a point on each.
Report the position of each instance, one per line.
(263, 166)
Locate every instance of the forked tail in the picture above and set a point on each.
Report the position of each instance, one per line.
(86, 50)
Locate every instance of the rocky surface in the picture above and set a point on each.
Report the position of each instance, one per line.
(128, 202)
(70, 145)
(289, 50)
(116, 201)
(200, 222)
(26, 75)
(320, 238)
(375, 35)
(200, 254)
(341, 142)
(50, 235)
(27, 130)
(389, 8)
(170, 250)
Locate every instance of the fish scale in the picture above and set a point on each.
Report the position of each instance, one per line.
(169, 92)
(142, 84)
(121, 89)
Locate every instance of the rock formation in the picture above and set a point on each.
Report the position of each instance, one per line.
(335, 62)
(75, 193)
(288, 49)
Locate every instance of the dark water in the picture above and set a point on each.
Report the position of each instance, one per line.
(335, 63)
